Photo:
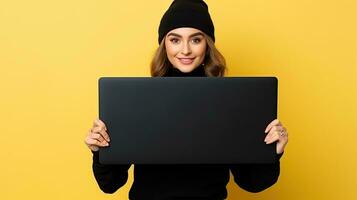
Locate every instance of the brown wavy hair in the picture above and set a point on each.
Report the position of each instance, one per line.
(214, 62)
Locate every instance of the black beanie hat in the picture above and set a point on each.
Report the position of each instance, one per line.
(186, 13)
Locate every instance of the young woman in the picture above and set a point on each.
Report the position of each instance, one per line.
(186, 38)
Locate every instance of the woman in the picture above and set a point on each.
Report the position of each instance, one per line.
(186, 38)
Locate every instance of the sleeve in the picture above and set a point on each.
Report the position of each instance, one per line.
(109, 177)
(256, 177)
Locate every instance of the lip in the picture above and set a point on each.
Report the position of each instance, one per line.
(186, 61)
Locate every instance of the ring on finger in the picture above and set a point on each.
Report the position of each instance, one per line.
(282, 133)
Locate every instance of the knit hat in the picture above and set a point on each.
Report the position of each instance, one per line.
(186, 13)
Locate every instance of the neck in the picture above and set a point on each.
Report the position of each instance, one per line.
(174, 72)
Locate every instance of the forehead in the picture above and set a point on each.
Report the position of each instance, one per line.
(185, 31)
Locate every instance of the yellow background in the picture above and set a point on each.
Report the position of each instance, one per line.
(52, 53)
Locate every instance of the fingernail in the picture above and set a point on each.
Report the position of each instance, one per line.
(267, 138)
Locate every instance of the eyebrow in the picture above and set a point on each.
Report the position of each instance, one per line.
(192, 35)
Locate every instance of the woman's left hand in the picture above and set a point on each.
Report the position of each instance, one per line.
(277, 132)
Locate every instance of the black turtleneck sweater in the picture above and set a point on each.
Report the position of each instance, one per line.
(185, 182)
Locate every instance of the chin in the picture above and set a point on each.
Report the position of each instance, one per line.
(186, 68)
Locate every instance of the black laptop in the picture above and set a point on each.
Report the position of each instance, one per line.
(187, 120)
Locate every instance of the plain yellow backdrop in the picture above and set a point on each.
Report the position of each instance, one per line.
(52, 53)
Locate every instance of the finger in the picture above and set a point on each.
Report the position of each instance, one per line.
(93, 142)
(273, 123)
(285, 131)
(95, 123)
(275, 137)
(101, 131)
(100, 123)
(272, 131)
(97, 129)
(105, 135)
(270, 125)
(98, 137)
(282, 131)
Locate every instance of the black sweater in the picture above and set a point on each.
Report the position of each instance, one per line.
(189, 182)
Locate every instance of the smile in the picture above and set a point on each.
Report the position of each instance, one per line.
(186, 61)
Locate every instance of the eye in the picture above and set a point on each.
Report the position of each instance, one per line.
(174, 40)
(196, 40)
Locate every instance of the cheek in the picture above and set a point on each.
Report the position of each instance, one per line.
(201, 50)
(170, 53)
(171, 50)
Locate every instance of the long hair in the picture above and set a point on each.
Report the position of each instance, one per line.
(214, 62)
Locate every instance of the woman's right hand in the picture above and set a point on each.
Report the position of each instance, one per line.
(97, 136)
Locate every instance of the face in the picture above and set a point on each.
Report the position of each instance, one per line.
(185, 48)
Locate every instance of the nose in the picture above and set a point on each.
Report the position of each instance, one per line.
(186, 49)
